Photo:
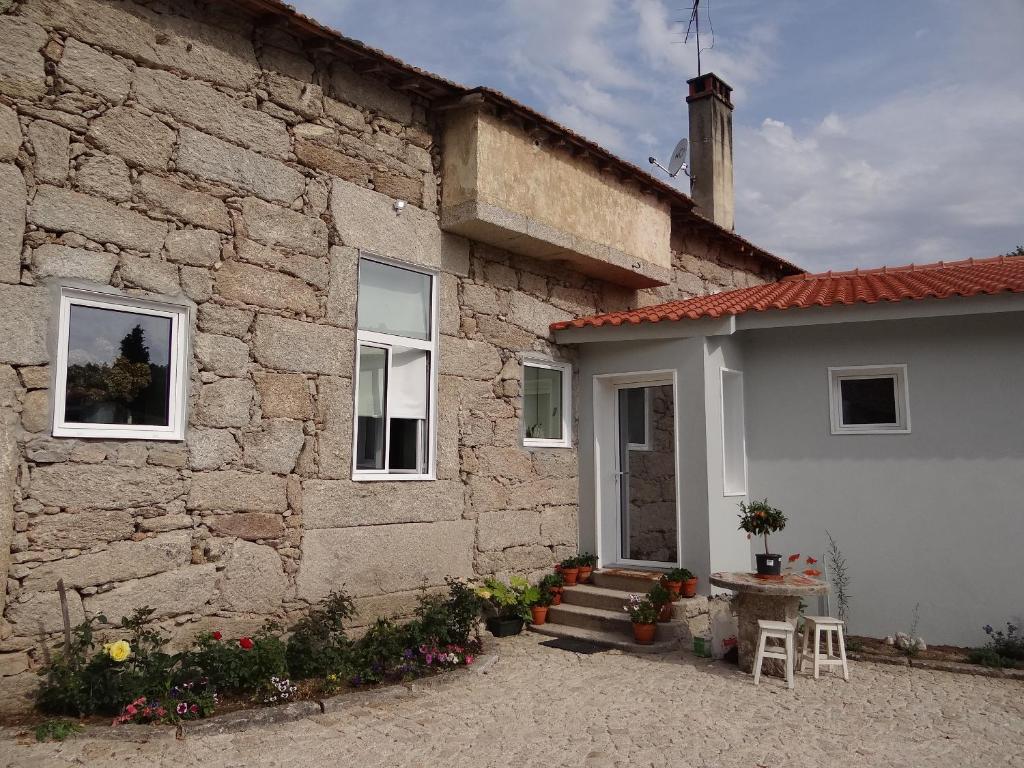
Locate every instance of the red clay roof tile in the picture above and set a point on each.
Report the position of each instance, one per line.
(942, 280)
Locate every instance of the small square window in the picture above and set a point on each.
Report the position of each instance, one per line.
(121, 367)
(869, 400)
(547, 388)
(638, 418)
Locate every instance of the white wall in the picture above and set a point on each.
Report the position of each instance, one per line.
(934, 517)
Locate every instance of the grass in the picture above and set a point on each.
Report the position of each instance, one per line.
(56, 730)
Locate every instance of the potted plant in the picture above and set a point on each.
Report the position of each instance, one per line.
(587, 562)
(538, 600)
(661, 598)
(689, 582)
(673, 582)
(570, 569)
(506, 605)
(553, 584)
(643, 614)
(759, 518)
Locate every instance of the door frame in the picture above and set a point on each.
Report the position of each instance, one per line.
(607, 498)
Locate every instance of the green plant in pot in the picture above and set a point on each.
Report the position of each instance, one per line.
(570, 570)
(759, 518)
(553, 584)
(538, 599)
(661, 598)
(680, 582)
(586, 562)
(644, 615)
(505, 605)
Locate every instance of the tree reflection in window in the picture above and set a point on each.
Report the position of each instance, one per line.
(111, 381)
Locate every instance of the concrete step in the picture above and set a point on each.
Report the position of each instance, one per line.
(587, 617)
(591, 596)
(664, 641)
(627, 581)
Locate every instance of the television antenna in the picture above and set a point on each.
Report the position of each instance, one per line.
(677, 162)
(694, 26)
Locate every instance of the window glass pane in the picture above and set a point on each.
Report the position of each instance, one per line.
(868, 401)
(734, 468)
(406, 451)
(370, 408)
(394, 300)
(542, 402)
(407, 390)
(119, 367)
(636, 419)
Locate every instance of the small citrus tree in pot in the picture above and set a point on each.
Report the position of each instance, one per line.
(759, 518)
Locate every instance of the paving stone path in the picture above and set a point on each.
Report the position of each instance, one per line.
(542, 707)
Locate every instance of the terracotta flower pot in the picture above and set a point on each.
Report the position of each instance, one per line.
(665, 613)
(643, 634)
(674, 588)
(570, 574)
(584, 574)
(540, 614)
(690, 587)
(556, 596)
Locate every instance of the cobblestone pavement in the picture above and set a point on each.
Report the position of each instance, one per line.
(541, 707)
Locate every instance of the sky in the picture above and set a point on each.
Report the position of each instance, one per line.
(866, 133)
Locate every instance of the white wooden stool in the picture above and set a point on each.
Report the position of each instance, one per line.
(828, 625)
(776, 630)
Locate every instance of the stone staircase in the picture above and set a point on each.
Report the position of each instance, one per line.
(594, 612)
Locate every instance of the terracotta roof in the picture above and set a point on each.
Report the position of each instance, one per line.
(942, 280)
(442, 93)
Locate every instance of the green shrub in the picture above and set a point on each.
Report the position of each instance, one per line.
(244, 665)
(1004, 649)
(678, 574)
(658, 595)
(505, 600)
(451, 620)
(318, 644)
(56, 730)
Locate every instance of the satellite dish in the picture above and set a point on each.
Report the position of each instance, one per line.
(678, 159)
(677, 162)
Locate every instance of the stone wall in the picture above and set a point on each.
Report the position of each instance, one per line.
(164, 149)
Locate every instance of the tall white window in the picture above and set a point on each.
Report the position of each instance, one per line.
(396, 345)
(869, 400)
(734, 446)
(547, 407)
(122, 367)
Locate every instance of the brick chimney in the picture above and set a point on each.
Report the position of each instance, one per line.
(711, 148)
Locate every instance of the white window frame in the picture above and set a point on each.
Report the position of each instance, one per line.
(389, 341)
(178, 376)
(566, 370)
(648, 444)
(898, 374)
(726, 490)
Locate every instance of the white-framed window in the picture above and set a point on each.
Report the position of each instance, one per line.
(547, 404)
(869, 400)
(122, 367)
(395, 372)
(639, 408)
(734, 440)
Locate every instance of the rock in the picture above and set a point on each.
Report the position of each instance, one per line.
(165, 523)
(534, 315)
(344, 288)
(93, 486)
(21, 64)
(313, 270)
(292, 345)
(247, 525)
(211, 448)
(315, 155)
(196, 208)
(507, 528)
(140, 139)
(168, 455)
(106, 176)
(390, 558)
(276, 448)
(35, 613)
(225, 403)
(303, 97)
(93, 71)
(558, 525)
(469, 359)
(150, 274)
(52, 147)
(211, 158)
(62, 210)
(223, 355)
(185, 590)
(214, 318)
(197, 283)
(230, 490)
(334, 408)
(370, 93)
(344, 114)
(196, 247)
(80, 530)
(264, 288)
(276, 226)
(194, 103)
(344, 503)
(10, 133)
(253, 580)
(35, 411)
(12, 223)
(23, 324)
(121, 561)
(284, 395)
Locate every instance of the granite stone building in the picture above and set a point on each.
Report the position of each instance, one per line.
(275, 316)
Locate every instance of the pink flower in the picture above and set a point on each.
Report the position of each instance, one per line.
(130, 709)
(193, 709)
(246, 643)
(469, 659)
(217, 635)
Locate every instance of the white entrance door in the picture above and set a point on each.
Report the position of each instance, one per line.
(635, 426)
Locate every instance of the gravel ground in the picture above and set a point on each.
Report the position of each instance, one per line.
(537, 706)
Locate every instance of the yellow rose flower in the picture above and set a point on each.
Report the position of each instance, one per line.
(118, 651)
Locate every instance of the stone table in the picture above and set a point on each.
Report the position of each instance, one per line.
(774, 599)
